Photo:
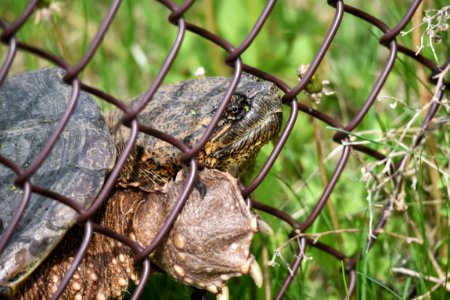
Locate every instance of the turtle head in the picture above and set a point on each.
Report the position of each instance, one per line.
(183, 110)
(252, 118)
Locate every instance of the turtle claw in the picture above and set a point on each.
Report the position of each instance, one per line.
(213, 289)
(201, 187)
(264, 227)
(256, 273)
(198, 184)
(224, 294)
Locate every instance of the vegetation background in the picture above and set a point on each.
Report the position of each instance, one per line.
(416, 238)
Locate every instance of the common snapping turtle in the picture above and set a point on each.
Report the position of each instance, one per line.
(146, 189)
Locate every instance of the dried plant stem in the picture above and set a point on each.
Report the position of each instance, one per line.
(440, 281)
(215, 51)
(60, 41)
(424, 97)
(266, 273)
(324, 178)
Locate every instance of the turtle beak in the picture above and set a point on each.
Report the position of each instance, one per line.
(256, 273)
(254, 270)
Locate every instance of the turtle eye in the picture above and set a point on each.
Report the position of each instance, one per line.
(237, 108)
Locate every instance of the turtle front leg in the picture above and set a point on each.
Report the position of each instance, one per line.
(208, 244)
(104, 273)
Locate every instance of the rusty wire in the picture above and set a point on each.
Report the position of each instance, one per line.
(387, 39)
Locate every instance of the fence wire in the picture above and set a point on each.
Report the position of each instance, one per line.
(388, 35)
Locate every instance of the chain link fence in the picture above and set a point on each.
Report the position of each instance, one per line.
(293, 109)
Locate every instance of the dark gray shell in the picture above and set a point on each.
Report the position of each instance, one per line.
(30, 107)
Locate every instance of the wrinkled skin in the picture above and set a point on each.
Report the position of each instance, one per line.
(31, 105)
(209, 242)
(183, 110)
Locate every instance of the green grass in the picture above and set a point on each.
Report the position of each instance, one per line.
(291, 37)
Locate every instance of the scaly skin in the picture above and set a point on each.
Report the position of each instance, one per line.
(216, 246)
(208, 244)
(183, 110)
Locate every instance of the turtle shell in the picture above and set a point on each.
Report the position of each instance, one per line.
(31, 105)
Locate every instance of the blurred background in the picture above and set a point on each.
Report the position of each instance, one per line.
(416, 237)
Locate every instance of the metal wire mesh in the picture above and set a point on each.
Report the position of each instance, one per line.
(9, 38)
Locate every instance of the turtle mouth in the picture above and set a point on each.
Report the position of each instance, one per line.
(250, 137)
(252, 119)
(232, 146)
